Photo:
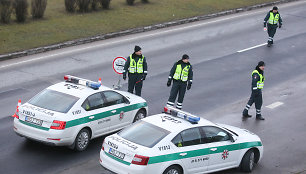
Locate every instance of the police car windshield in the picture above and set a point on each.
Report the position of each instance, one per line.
(144, 133)
(54, 101)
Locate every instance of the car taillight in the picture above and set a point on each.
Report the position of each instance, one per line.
(140, 160)
(166, 110)
(103, 145)
(58, 125)
(17, 115)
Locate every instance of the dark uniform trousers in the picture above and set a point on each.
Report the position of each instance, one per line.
(135, 82)
(180, 88)
(256, 97)
(271, 32)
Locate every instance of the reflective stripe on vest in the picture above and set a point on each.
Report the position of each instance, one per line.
(273, 19)
(181, 74)
(136, 67)
(260, 83)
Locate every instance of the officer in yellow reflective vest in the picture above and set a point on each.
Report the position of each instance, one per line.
(272, 18)
(137, 69)
(258, 79)
(181, 74)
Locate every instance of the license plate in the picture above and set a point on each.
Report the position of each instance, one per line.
(33, 120)
(116, 153)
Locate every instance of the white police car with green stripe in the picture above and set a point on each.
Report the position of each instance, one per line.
(73, 112)
(167, 144)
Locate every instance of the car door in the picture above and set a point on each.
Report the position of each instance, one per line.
(191, 150)
(116, 104)
(95, 109)
(223, 152)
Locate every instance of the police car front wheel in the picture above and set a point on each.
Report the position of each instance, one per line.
(173, 170)
(82, 140)
(140, 115)
(248, 161)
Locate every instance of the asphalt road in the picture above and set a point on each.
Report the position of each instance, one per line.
(219, 93)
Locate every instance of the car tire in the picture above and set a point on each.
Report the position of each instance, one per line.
(140, 115)
(248, 161)
(173, 170)
(82, 140)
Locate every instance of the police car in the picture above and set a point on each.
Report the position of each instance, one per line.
(73, 112)
(176, 142)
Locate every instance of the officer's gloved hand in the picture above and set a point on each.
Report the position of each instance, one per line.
(169, 82)
(280, 26)
(144, 76)
(124, 76)
(189, 85)
(265, 25)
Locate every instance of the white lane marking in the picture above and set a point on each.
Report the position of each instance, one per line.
(240, 51)
(130, 39)
(275, 105)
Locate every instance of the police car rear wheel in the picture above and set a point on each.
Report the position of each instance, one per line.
(82, 140)
(173, 170)
(248, 161)
(140, 115)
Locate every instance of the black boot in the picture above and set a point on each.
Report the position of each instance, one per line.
(259, 117)
(245, 113)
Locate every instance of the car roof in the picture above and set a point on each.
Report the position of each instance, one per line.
(76, 90)
(175, 124)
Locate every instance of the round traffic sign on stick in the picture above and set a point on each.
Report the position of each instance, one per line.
(118, 64)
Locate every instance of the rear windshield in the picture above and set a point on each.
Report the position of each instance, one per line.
(54, 101)
(143, 133)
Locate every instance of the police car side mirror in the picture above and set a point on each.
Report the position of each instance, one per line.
(126, 101)
(232, 138)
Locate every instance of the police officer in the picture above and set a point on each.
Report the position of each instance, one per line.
(181, 74)
(136, 66)
(272, 18)
(256, 96)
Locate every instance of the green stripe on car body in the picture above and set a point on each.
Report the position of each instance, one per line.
(117, 159)
(104, 115)
(201, 152)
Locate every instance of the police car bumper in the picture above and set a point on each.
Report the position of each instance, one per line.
(118, 167)
(49, 137)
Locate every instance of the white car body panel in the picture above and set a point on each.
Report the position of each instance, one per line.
(201, 158)
(101, 121)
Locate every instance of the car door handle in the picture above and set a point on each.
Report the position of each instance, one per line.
(213, 149)
(183, 154)
(91, 117)
(113, 111)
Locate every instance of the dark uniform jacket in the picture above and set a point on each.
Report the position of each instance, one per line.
(190, 73)
(136, 58)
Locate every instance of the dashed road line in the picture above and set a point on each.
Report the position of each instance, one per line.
(275, 105)
(240, 51)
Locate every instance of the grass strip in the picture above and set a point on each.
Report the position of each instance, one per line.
(59, 26)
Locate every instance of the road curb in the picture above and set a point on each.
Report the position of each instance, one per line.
(133, 31)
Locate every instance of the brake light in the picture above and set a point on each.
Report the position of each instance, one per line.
(59, 125)
(103, 145)
(17, 114)
(166, 110)
(140, 160)
(56, 139)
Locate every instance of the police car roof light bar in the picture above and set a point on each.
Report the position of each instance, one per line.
(181, 114)
(84, 82)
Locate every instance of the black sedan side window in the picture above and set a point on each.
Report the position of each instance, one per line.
(188, 137)
(113, 98)
(214, 134)
(94, 101)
